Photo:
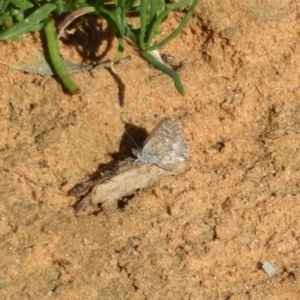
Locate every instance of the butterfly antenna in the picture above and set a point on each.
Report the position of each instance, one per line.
(132, 139)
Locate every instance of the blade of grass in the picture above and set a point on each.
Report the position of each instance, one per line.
(143, 21)
(23, 4)
(176, 31)
(3, 6)
(28, 23)
(56, 59)
(161, 17)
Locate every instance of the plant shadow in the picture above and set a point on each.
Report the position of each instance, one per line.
(92, 39)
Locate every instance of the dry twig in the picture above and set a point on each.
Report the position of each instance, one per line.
(127, 177)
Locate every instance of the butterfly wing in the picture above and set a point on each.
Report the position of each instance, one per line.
(165, 145)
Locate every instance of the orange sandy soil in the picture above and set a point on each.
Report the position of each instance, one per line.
(201, 235)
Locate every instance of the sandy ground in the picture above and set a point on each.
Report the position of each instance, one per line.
(203, 234)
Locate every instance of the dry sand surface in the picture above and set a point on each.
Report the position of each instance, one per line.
(203, 234)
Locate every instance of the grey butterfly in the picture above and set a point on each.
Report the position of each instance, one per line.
(165, 146)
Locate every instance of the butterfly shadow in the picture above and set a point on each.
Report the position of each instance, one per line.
(132, 138)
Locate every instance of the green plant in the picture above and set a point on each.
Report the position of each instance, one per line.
(20, 16)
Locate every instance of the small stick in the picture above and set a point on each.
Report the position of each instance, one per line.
(42, 67)
(129, 176)
(71, 17)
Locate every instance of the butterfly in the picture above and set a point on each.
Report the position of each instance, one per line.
(165, 146)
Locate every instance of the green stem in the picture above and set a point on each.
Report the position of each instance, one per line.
(161, 17)
(177, 30)
(28, 23)
(143, 21)
(175, 76)
(56, 59)
(3, 6)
